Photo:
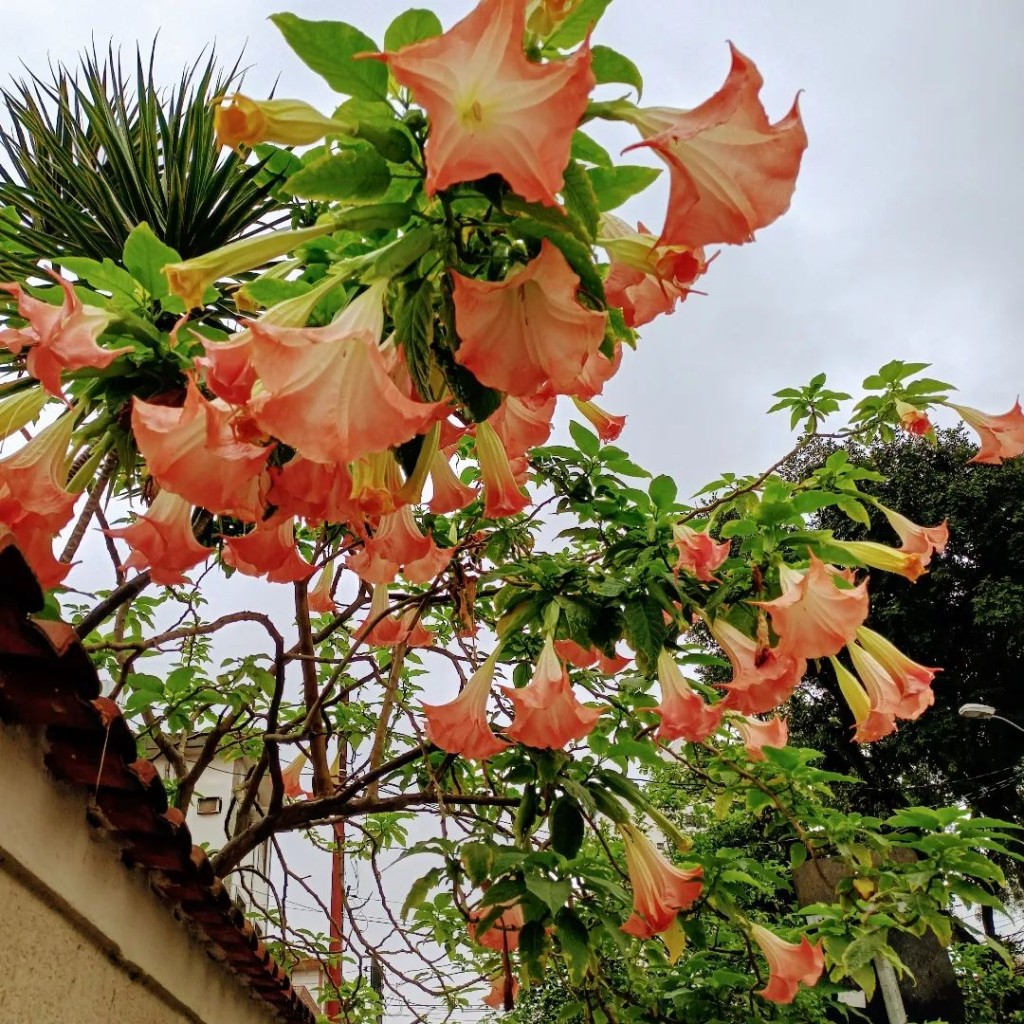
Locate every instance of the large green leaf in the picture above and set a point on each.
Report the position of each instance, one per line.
(576, 27)
(609, 65)
(329, 48)
(145, 256)
(580, 200)
(412, 26)
(355, 174)
(614, 185)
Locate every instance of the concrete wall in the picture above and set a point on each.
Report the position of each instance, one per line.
(83, 939)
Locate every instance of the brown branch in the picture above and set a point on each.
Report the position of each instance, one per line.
(322, 781)
(165, 745)
(753, 485)
(107, 469)
(122, 595)
(202, 762)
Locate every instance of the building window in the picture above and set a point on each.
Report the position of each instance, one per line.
(208, 805)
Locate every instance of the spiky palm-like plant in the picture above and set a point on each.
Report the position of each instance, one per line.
(89, 153)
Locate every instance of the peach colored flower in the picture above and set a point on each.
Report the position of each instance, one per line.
(660, 890)
(547, 713)
(320, 600)
(503, 934)
(163, 540)
(913, 420)
(789, 963)
(448, 492)
(192, 451)
(684, 713)
(572, 654)
(502, 496)
(491, 109)
(733, 172)
(918, 540)
(874, 713)
(326, 390)
(528, 331)
(607, 425)
(34, 503)
(398, 543)
(382, 630)
(227, 368)
(762, 677)
(645, 279)
(292, 775)
(1002, 437)
(504, 989)
(376, 484)
(902, 562)
(317, 492)
(268, 550)
(757, 733)
(461, 726)
(523, 423)
(913, 681)
(813, 617)
(597, 371)
(699, 554)
(241, 121)
(58, 337)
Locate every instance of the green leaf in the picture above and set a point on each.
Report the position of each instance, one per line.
(419, 890)
(614, 185)
(329, 48)
(854, 509)
(662, 490)
(758, 800)
(587, 442)
(478, 859)
(609, 65)
(20, 409)
(105, 277)
(645, 630)
(355, 174)
(554, 894)
(145, 256)
(586, 150)
(567, 827)
(533, 943)
(413, 315)
(412, 26)
(863, 950)
(574, 941)
(580, 199)
(381, 217)
(376, 122)
(575, 28)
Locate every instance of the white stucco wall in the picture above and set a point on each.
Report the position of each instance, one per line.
(82, 938)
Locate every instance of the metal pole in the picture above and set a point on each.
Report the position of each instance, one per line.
(887, 982)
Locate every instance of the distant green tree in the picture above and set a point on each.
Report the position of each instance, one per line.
(966, 616)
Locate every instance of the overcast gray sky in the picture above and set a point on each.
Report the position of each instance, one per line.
(903, 238)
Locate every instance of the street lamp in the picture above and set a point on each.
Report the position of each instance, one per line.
(985, 711)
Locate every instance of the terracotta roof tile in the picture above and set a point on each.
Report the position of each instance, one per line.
(47, 681)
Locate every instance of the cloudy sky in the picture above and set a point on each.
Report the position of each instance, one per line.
(904, 235)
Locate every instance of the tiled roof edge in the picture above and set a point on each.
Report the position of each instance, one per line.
(48, 682)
